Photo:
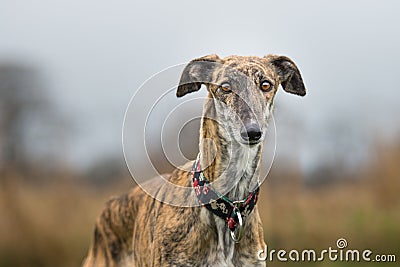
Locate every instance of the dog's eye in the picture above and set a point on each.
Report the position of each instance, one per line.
(226, 88)
(266, 86)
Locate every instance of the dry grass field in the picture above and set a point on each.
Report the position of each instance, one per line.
(51, 224)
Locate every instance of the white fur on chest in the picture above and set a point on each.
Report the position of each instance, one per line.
(221, 250)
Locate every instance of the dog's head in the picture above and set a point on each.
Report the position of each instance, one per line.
(242, 90)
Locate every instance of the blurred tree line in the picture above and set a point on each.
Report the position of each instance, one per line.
(33, 132)
(21, 101)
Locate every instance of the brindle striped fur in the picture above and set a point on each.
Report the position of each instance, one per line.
(138, 230)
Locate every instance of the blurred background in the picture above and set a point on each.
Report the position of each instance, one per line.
(69, 68)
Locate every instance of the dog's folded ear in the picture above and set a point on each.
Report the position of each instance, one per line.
(199, 71)
(289, 74)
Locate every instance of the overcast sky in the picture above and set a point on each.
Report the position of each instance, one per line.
(93, 55)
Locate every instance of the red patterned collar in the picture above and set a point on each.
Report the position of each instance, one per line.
(232, 212)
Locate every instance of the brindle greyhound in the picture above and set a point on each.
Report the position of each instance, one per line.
(138, 230)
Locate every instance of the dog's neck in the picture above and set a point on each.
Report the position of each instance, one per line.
(232, 167)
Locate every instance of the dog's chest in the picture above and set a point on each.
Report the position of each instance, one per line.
(222, 251)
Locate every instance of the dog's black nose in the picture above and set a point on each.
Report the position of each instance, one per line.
(251, 132)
